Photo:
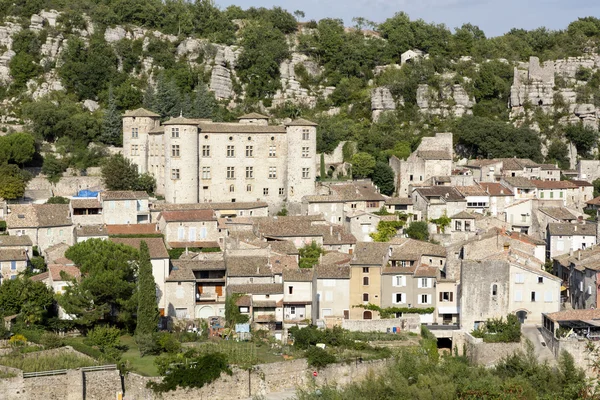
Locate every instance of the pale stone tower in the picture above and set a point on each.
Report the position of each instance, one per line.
(301, 163)
(136, 125)
(181, 160)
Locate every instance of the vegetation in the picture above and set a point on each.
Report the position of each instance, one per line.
(147, 310)
(119, 173)
(386, 230)
(497, 330)
(45, 362)
(418, 230)
(310, 254)
(233, 315)
(393, 312)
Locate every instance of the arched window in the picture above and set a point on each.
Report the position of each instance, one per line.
(231, 188)
(494, 289)
(366, 281)
(365, 297)
(248, 188)
(367, 315)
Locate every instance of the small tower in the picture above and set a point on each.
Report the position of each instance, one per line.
(181, 160)
(301, 159)
(136, 125)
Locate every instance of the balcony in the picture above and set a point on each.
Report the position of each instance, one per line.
(207, 297)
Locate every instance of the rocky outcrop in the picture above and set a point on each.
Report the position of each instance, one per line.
(114, 34)
(220, 82)
(4, 68)
(91, 105)
(7, 31)
(381, 101)
(52, 47)
(49, 83)
(450, 101)
(292, 90)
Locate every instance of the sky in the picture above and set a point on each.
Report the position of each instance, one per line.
(495, 17)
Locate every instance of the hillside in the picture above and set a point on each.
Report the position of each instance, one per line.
(70, 68)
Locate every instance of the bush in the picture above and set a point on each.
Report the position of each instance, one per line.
(104, 337)
(496, 330)
(168, 343)
(17, 340)
(318, 358)
(147, 344)
(51, 340)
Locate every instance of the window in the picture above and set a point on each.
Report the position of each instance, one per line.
(519, 278)
(135, 133)
(231, 188)
(458, 225)
(366, 281)
(175, 173)
(518, 295)
(249, 172)
(249, 151)
(467, 226)
(533, 297)
(423, 283)
(446, 296)
(205, 150)
(290, 290)
(230, 151)
(272, 172)
(293, 310)
(174, 132)
(205, 172)
(272, 151)
(372, 204)
(365, 270)
(265, 191)
(399, 280)
(541, 194)
(410, 178)
(365, 297)
(230, 173)
(398, 298)
(13, 265)
(305, 134)
(281, 191)
(248, 188)
(305, 153)
(175, 150)
(540, 279)
(523, 217)
(424, 299)
(494, 290)
(305, 173)
(134, 149)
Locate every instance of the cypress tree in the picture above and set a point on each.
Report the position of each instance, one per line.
(147, 311)
(322, 172)
(112, 127)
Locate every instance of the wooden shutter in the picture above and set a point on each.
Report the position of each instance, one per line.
(441, 296)
(451, 296)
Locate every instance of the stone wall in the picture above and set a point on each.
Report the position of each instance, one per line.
(261, 380)
(574, 346)
(67, 186)
(488, 354)
(410, 323)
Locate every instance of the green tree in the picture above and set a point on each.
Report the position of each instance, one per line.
(418, 230)
(146, 183)
(112, 125)
(558, 152)
(23, 67)
(22, 295)
(53, 168)
(322, 173)
(363, 165)
(596, 184)
(584, 138)
(233, 315)
(119, 173)
(57, 200)
(12, 182)
(383, 177)
(17, 148)
(167, 97)
(309, 255)
(204, 103)
(147, 310)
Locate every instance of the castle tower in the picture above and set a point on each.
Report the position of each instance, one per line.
(181, 160)
(301, 159)
(136, 125)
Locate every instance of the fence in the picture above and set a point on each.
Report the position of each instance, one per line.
(108, 367)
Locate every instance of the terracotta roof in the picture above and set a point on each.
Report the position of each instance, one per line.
(495, 189)
(292, 226)
(301, 122)
(85, 203)
(579, 183)
(332, 271)
(435, 154)
(520, 182)
(516, 164)
(210, 127)
(369, 253)
(399, 201)
(567, 229)
(156, 246)
(553, 184)
(91, 230)
(411, 249)
(162, 206)
(559, 213)
(200, 265)
(280, 263)
(482, 162)
(298, 275)
(181, 273)
(283, 247)
(526, 238)
(188, 216)
(15, 240)
(132, 229)
(426, 271)
(70, 270)
(39, 216)
(336, 236)
(447, 193)
(463, 215)
(575, 315)
(355, 191)
(472, 190)
(253, 115)
(124, 195)
(141, 112)
(13, 255)
(198, 244)
(40, 277)
(244, 301)
(336, 257)
(594, 202)
(256, 288)
(248, 266)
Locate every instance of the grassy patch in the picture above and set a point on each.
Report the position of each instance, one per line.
(45, 362)
(140, 365)
(246, 354)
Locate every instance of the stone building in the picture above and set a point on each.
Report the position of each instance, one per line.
(365, 277)
(12, 263)
(192, 228)
(566, 237)
(580, 273)
(331, 291)
(201, 161)
(124, 207)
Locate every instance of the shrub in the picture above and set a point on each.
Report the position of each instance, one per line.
(496, 330)
(104, 337)
(147, 344)
(51, 340)
(17, 340)
(168, 343)
(318, 358)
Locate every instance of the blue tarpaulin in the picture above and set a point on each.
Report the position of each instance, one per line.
(86, 193)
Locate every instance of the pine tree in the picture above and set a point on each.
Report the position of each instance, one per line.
(111, 123)
(147, 311)
(204, 103)
(167, 98)
(149, 100)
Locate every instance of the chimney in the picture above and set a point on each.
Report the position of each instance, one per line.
(579, 255)
(575, 228)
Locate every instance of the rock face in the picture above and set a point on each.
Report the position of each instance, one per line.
(114, 34)
(220, 82)
(91, 105)
(50, 83)
(4, 68)
(292, 90)
(451, 101)
(381, 101)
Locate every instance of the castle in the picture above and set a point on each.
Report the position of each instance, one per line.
(197, 160)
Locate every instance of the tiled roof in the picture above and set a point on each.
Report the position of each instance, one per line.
(210, 127)
(156, 246)
(289, 226)
(482, 163)
(124, 195)
(301, 122)
(547, 167)
(423, 271)
(560, 213)
(181, 273)
(85, 203)
(579, 183)
(434, 154)
(91, 230)
(519, 182)
(495, 189)
(15, 240)
(244, 301)
(463, 215)
(337, 236)
(594, 202)
(256, 288)
(516, 164)
(448, 193)
(200, 265)
(369, 253)
(399, 201)
(181, 121)
(526, 238)
(354, 191)
(253, 115)
(248, 266)
(280, 263)
(157, 129)
(471, 190)
(162, 206)
(188, 216)
(332, 271)
(39, 216)
(199, 244)
(141, 112)
(411, 249)
(298, 275)
(40, 277)
(553, 184)
(132, 229)
(12, 255)
(575, 315)
(71, 271)
(567, 229)
(336, 257)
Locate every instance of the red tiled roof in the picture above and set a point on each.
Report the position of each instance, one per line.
(188, 215)
(132, 229)
(70, 270)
